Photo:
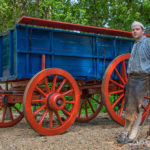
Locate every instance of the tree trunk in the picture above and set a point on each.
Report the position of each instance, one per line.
(37, 2)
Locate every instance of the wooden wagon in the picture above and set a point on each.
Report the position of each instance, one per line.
(54, 73)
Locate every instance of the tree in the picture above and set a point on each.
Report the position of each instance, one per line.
(116, 14)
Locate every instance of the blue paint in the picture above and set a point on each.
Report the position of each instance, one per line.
(85, 56)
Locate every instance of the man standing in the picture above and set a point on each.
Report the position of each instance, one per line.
(138, 83)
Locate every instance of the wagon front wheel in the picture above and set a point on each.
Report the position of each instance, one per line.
(51, 101)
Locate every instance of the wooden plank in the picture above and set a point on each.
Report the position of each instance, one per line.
(71, 26)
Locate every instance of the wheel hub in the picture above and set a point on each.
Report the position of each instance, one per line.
(55, 101)
(5, 101)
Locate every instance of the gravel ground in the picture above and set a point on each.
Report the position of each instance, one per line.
(98, 134)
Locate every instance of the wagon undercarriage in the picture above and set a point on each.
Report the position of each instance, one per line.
(51, 104)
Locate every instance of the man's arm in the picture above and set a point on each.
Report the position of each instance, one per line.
(147, 44)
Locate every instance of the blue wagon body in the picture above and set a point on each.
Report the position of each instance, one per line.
(85, 56)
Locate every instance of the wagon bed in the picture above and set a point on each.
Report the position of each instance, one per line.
(81, 54)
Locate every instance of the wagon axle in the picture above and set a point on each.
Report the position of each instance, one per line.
(55, 101)
(5, 101)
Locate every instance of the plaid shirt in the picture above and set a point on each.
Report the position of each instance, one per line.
(139, 61)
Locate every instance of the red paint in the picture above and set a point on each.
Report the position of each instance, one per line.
(71, 26)
(43, 61)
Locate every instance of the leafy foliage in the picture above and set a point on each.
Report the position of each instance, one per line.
(116, 14)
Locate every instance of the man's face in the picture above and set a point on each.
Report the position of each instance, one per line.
(137, 32)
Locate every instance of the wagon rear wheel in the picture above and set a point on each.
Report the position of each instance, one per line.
(10, 114)
(113, 84)
(51, 101)
(89, 108)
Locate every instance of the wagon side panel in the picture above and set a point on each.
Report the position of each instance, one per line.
(83, 55)
(8, 55)
(72, 52)
(109, 48)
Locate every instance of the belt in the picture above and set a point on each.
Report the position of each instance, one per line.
(139, 74)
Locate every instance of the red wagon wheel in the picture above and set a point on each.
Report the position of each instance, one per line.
(10, 114)
(113, 83)
(55, 95)
(89, 108)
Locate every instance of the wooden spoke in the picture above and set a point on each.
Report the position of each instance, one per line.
(91, 106)
(50, 119)
(21, 113)
(66, 111)
(80, 109)
(95, 100)
(121, 108)
(116, 83)
(40, 91)
(70, 102)
(86, 112)
(43, 100)
(54, 83)
(120, 78)
(58, 117)
(68, 92)
(117, 100)
(61, 85)
(10, 112)
(116, 92)
(124, 72)
(4, 113)
(39, 109)
(43, 117)
(46, 85)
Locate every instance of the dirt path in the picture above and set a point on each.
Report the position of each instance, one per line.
(99, 134)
